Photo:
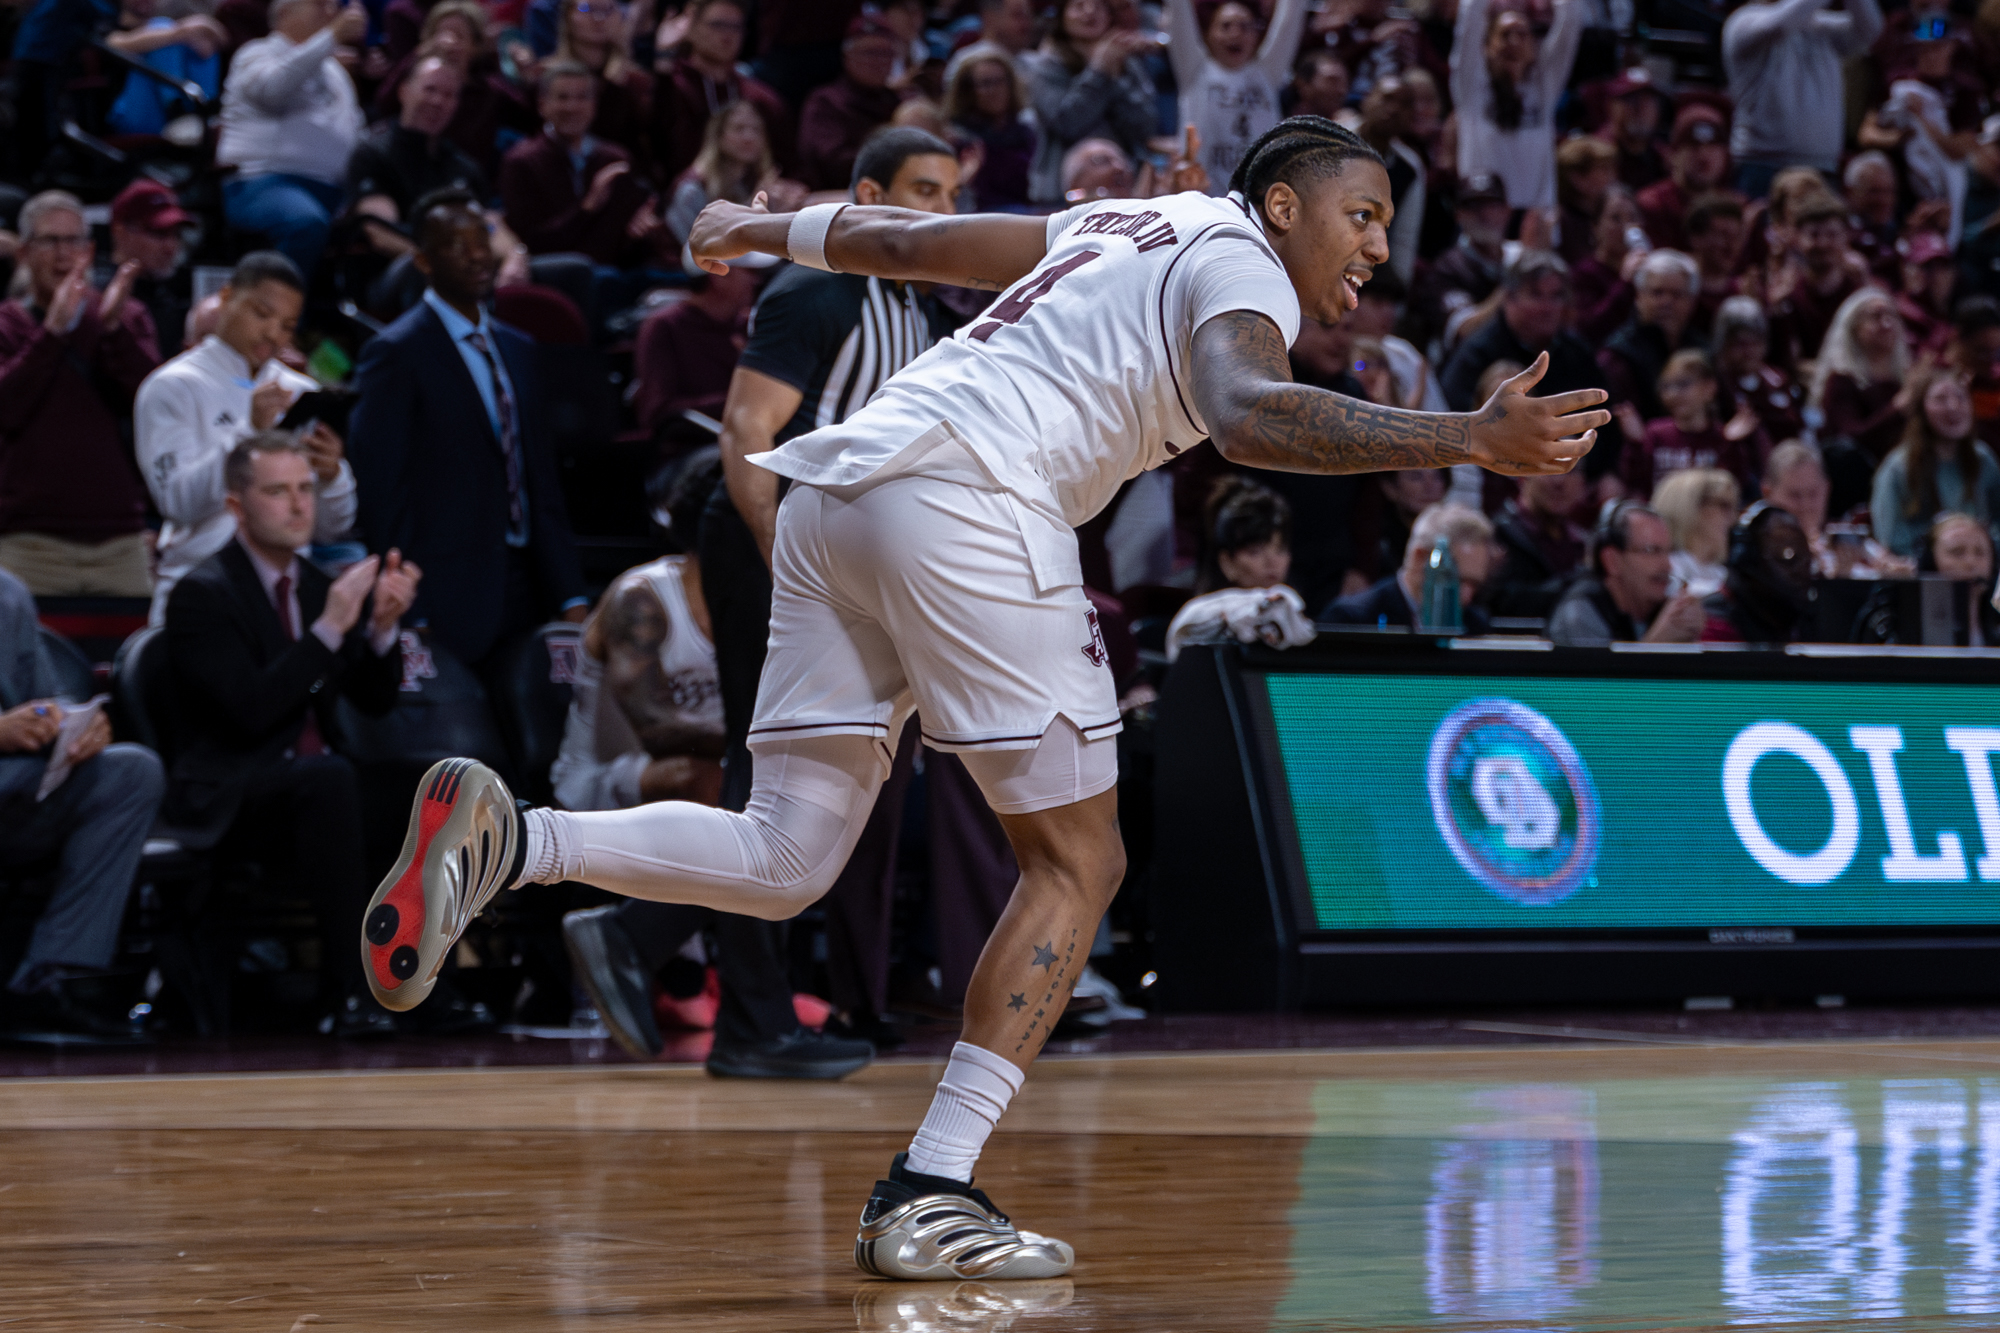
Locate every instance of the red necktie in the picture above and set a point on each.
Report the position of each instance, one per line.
(309, 742)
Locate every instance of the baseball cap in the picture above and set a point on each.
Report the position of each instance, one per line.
(1484, 188)
(1699, 124)
(1634, 80)
(149, 204)
(1922, 247)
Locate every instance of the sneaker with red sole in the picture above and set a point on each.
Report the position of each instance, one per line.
(466, 842)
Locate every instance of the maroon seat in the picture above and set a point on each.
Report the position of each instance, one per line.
(544, 314)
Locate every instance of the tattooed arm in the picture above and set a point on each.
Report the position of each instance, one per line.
(634, 628)
(1258, 416)
(987, 251)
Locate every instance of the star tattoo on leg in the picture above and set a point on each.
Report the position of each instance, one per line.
(1018, 1003)
(1045, 955)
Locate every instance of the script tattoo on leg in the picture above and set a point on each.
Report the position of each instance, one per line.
(1059, 972)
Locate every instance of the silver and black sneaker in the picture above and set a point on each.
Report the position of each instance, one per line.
(927, 1228)
(466, 843)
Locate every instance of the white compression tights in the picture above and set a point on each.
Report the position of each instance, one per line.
(809, 801)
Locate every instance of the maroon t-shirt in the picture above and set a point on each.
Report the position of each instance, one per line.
(1667, 449)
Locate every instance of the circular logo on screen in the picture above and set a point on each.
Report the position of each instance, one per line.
(1512, 799)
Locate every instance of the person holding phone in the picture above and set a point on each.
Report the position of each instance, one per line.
(194, 409)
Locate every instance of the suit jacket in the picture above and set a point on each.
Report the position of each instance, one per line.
(242, 688)
(433, 482)
(544, 207)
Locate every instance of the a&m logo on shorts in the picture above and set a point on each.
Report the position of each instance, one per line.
(1513, 800)
(1095, 649)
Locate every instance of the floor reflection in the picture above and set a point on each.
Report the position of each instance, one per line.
(1691, 1203)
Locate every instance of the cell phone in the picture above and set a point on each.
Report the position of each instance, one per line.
(329, 406)
(1929, 30)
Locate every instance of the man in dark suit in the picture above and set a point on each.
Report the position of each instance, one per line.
(1392, 601)
(450, 446)
(261, 645)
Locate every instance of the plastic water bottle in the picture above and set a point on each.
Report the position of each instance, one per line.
(1441, 612)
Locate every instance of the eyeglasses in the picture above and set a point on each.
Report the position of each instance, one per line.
(60, 242)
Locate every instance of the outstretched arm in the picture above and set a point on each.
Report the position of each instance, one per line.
(990, 252)
(1258, 416)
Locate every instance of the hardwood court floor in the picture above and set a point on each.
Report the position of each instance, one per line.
(1788, 1186)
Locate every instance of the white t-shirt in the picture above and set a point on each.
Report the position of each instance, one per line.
(1231, 108)
(1076, 379)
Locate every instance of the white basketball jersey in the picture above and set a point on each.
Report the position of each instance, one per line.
(1076, 379)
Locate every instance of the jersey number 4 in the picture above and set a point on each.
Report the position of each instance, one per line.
(1009, 309)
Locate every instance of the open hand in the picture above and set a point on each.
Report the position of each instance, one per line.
(349, 591)
(599, 193)
(395, 592)
(1525, 437)
(111, 309)
(67, 303)
(1186, 171)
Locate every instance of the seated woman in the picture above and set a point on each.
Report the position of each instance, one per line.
(1699, 505)
(1088, 81)
(1240, 582)
(1958, 546)
(1939, 467)
(734, 163)
(984, 100)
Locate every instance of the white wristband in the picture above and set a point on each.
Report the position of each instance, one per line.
(806, 241)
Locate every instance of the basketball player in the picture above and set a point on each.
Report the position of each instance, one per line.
(925, 558)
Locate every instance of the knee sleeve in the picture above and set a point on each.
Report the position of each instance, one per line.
(809, 801)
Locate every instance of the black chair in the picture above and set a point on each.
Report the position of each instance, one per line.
(175, 883)
(441, 713)
(76, 678)
(534, 706)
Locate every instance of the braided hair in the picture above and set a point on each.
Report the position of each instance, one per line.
(1296, 150)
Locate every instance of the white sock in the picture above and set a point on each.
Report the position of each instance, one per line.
(548, 856)
(971, 1097)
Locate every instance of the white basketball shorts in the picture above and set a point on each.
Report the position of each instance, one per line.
(917, 592)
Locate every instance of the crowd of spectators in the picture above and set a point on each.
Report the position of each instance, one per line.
(302, 294)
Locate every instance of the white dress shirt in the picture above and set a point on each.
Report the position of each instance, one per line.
(189, 414)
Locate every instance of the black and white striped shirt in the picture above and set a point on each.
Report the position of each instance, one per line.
(837, 338)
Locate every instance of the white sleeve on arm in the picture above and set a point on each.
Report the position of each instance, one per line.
(1558, 53)
(1753, 25)
(1186, 52)
(1281, 42)
(184, 475)
(337, 507)
(1063, 221)
(1234, 273)
(1856, 30)
(1470, 91)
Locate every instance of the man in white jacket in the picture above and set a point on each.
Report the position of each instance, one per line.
(290, 121)
(1784, 63)
(192, 411)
